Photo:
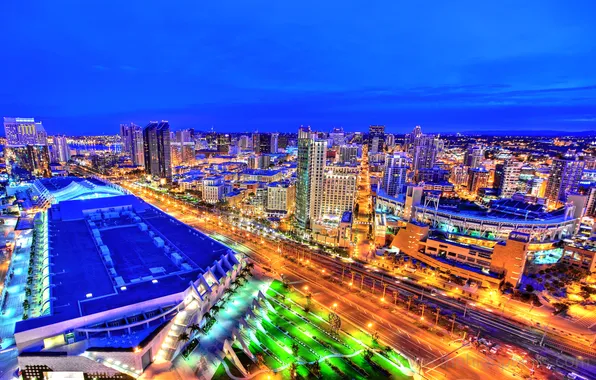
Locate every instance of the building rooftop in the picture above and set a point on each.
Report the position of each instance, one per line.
(118, 251)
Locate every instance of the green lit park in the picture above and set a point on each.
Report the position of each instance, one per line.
(285, 335)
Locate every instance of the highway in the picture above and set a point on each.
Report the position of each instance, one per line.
(478, 319)
(395, 327)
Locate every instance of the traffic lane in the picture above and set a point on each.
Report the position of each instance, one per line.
(412, 349)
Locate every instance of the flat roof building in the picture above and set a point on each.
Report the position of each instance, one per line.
(118, 273)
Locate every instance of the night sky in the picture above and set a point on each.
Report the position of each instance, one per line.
(83, 67)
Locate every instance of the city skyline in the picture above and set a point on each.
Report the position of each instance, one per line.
(457, 68)
(277, 190)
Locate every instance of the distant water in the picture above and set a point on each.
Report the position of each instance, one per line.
(95, 147)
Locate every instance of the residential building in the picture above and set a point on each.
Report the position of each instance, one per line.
(348, 154)
(157, 151)
(61, 149)
(477, 179)
(25, 162)
(564, 178)
(474, 156)
(424, 149)
(281, 198)
(213, 189)
(339, 191)
(507, 178)
(395, 174)
(337, 137)
(376, 138)
(311, 162)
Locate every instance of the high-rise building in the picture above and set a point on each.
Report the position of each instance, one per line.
(24, 131)
(376, 138)
(423, 148)
(244, 142)
(348, 154)
(156, 147)
(477, 179)
(312, 153)
(223, 143)
(390, 140)
(184, 136)
(395, 174)
(459, 175)
(281, 197)
(474, 156)
(26, 162)
(507, 178)
(182, 153)
(564, 178)
(132, 142)
(125, 137)
(410, 138)
(434, 174)
(265, 143)
(339, 191)
(337, 137)
(274, 142)
(61, 149)
(591, 205)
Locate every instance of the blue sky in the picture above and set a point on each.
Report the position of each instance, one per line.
(85, 66)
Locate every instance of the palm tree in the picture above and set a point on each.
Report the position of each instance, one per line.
(194, 327)
(214, 310)
(315, 369)
(183, 337)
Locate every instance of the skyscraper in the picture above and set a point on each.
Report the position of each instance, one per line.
(390, 140)
(61, 149)
(24, 131)
(156, 148)
(474, 156)
(27, 154)
(376, 138)
(339, 190)
(265, 143)
(395, 174)
(312, 154)
(507, 178)
(564, 178)
(223, 143)
(29, 161)
(274, 142)
(423, 148)
(348, 154)
(477, 179)
(132, 142)
(337, 137)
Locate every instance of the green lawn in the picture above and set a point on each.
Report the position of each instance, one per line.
(276, 330)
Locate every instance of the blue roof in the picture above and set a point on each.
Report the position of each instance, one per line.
(263, 172)
(78, 268)
(71, 210)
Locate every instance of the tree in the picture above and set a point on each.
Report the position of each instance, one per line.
(293, 372)
(194, 327)
(315, 369)
(294, 347)
(183, 337)
(334, 322)
(368, 354)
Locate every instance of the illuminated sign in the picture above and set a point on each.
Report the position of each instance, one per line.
(519, 236)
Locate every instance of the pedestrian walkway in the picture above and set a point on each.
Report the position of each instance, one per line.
(12, 311)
